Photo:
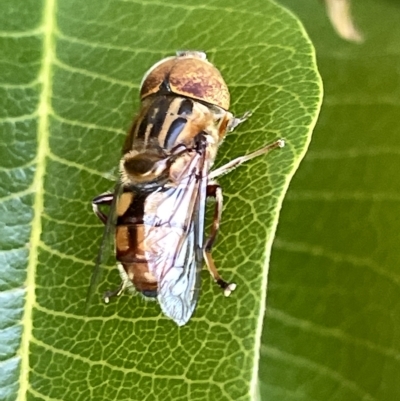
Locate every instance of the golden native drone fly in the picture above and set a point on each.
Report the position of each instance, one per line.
(156, 215)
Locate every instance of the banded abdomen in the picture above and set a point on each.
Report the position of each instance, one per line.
(130, 244)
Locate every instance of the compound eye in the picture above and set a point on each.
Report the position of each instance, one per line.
(188, 75)
(164, 65)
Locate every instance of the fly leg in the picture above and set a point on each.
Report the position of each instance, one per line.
(280, 143)
(125, 283)
(116, 293)
(215, 191)
(235, 121)
(104, 199)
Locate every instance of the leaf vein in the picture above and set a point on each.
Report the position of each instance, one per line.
(318, 368)
(336, 257)
(95, 75)
(62, 255)
(87, 125)
(80, 167)
(330, 332)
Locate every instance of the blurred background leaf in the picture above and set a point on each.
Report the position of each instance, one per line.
(332, 328)
(70, 73)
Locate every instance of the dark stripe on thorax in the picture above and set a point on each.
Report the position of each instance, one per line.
(174, 131)
(152, 118)
(186, 107)
(164, 120)
(159, 116)
(141, 132)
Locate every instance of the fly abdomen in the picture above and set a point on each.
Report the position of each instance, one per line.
(129, 243)
(131, 254)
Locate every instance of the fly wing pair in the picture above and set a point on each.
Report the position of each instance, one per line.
(173, 222)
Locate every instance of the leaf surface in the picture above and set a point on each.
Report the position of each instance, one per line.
(70, 77)
(333, 316)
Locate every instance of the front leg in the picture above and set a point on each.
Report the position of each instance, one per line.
(226, 168)
(126, 283)
(215, 191)
(235, 121)
(104, 199)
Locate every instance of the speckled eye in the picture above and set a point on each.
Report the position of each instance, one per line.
(188, 74)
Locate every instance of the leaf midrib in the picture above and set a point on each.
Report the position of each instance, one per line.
(47, 30)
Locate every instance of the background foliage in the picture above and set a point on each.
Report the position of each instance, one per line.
(333, 318)
(70, 72)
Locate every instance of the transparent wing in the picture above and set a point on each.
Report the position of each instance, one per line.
(173, 222)
(106, 246)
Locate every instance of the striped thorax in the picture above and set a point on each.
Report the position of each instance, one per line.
(176, 108)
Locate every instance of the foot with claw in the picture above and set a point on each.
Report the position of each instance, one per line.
(229, 289)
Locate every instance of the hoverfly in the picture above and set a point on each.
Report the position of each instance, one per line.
(156, 215)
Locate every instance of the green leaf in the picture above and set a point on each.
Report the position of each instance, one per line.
(333, 316)
(69, 87)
